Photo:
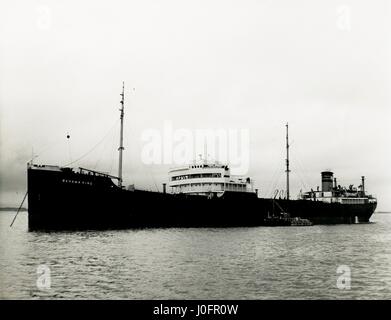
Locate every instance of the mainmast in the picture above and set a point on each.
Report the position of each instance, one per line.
(121, 138)
(287, 163)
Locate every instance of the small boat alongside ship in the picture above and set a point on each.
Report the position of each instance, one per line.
(284, 220)
(202, 194)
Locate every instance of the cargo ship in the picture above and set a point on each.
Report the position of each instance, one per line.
(201, 194)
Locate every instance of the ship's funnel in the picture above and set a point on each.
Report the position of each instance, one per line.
(327, 181)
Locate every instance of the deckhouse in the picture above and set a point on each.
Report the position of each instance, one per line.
(206, 178)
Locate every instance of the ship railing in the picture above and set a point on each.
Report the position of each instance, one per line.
(102, 174)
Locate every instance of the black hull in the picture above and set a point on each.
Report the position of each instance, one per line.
(95, 203)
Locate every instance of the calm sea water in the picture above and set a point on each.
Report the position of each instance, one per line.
(238, 263)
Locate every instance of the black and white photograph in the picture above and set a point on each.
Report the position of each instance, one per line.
(193, 150)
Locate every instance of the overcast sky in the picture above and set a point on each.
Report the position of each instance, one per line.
(322, 66)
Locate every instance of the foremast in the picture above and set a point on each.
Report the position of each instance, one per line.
(121, 138)
(287, 162)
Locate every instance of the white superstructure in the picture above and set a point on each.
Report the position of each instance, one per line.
(333, 193)
(206, 178)
(343, 196)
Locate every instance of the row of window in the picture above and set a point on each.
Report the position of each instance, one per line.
(194, 176)
(205, 166)
(201, 185)
(197, 166)
(230, 186)
(77, 182)
(353, 201)
(235, 186)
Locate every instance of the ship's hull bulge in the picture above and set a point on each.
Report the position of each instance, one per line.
(66, 200)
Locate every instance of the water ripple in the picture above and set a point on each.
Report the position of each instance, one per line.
(238, 263)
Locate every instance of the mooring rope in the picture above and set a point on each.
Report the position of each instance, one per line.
(24, 198)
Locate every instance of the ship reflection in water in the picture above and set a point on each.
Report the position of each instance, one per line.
(232, 263)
